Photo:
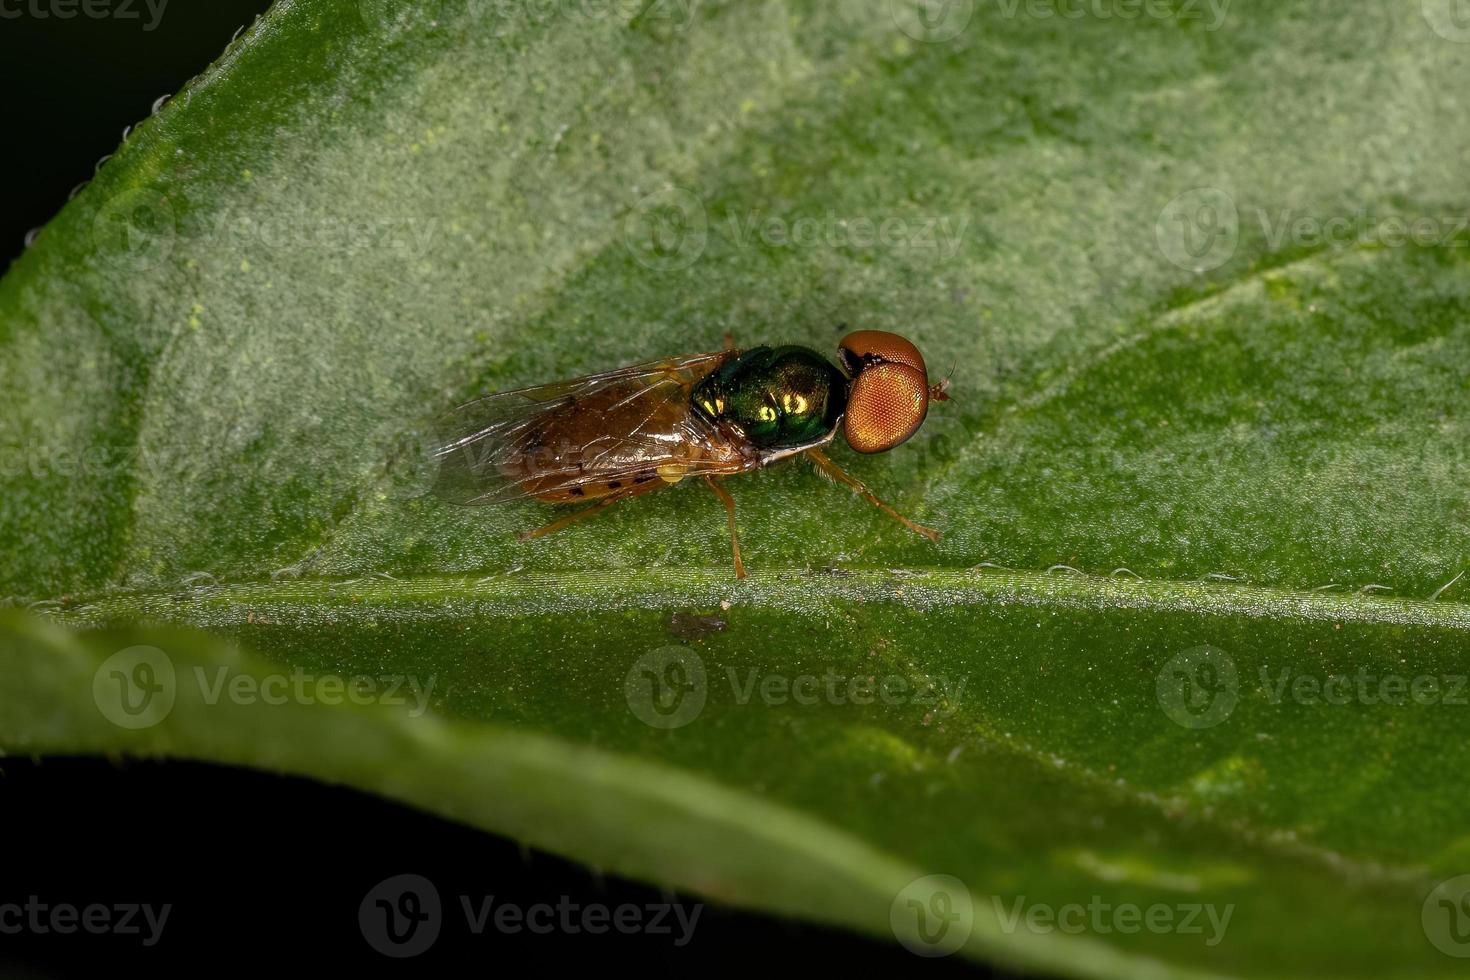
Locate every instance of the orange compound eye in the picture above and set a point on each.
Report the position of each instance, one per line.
(869, 345)
(885, 405)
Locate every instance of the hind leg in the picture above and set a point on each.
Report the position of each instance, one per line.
(571, 519)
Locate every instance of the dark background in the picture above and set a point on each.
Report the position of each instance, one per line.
(265, 871)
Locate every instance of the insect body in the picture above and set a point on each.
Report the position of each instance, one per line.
(600, 438)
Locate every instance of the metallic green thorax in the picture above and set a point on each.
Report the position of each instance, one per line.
(780, 397)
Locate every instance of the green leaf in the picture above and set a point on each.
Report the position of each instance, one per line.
(1200, 461)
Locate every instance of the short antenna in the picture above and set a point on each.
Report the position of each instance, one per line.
(940, 392)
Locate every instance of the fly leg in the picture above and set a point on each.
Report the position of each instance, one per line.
(570, 519)
(729, 503)
(834, 471)
(729, 340)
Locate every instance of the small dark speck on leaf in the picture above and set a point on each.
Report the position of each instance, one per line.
(693, 626)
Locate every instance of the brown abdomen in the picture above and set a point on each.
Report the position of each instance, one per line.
(612, 441)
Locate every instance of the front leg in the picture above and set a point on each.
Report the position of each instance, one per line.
(729, 503)
(836, 472)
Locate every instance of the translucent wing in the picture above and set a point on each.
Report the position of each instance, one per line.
(612, 428)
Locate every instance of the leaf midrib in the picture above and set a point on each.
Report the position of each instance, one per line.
(794, 589)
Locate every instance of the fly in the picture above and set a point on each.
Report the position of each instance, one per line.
(601, 438)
